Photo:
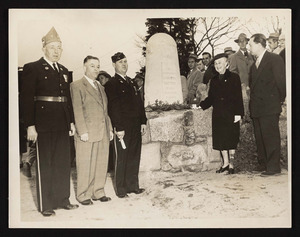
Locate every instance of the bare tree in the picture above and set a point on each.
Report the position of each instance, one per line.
(265, 25)
(216, 31)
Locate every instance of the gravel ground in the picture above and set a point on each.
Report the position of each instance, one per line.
(183, 199)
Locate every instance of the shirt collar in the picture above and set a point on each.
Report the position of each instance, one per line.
(121, 76)
(51, 63)
(90, 81)
(261, 55)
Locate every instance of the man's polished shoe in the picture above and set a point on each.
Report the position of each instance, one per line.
(70, 206)
(269, 173)
(122, 196)
(221, 170)
(87, 202)
(138, 191)
(103, 199)
(27, 170)
(48, 213)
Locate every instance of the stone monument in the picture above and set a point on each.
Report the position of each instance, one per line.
(162, 79)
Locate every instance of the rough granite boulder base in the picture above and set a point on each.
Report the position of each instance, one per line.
(202, 122)
(165, 148)
(189, 158)
(213, 155)
(167, 127)
(150, 157)
(146, 137)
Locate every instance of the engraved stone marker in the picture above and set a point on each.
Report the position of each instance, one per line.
(162, 80)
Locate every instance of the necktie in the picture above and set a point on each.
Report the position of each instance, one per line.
(127, 79)
(246, 54)
(55, 68)
(98, 88)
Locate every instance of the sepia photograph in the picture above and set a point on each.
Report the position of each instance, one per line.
(150, 118)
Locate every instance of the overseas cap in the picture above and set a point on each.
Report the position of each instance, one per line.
(117, 56)
(51, 36)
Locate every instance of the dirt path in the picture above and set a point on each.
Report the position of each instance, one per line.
(185, 199)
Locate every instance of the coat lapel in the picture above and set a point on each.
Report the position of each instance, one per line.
(92, 91)
(257, 71)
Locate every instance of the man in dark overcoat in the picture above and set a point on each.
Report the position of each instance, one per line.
(128, 118)
(48, 116)
(267, 93)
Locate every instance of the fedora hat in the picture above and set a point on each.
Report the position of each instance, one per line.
(273, 36)
(228, 49)
(241, 36)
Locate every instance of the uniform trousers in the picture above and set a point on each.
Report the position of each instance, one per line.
(53, 169)
(91, 164)
(267, 136)
(127, 161)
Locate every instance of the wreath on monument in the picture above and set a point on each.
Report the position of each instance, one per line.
(160, 106)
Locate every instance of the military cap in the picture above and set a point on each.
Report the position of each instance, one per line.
(273, 36)
(117, 56)
(220, 55)
(51, 36)
(104, 73)
(241, 36)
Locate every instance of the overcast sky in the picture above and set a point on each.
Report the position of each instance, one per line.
(98, 32)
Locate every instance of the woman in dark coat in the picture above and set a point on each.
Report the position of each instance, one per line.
(225, 95)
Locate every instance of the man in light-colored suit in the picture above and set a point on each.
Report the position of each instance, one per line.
(241, 61)
(194, 78)
(268, 91)
(94, 131)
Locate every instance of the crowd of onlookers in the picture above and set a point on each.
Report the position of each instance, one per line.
(240, 61)
(107, 118)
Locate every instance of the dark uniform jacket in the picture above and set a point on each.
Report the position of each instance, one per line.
(267, 86)
(124, 102)
(40, 79)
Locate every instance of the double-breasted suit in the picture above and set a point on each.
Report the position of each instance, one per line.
(52, 122)
(127, 113)
(91, 117)
(225, 95)
(267, 92)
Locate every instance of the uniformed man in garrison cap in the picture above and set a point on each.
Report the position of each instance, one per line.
(127, 114)
(48, 115)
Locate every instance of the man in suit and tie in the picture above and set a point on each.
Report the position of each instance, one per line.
(93, 133)
(242, 60)
(194, 78)
(240, 63)
(267, 93)
(48, 116)
(127, 113)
